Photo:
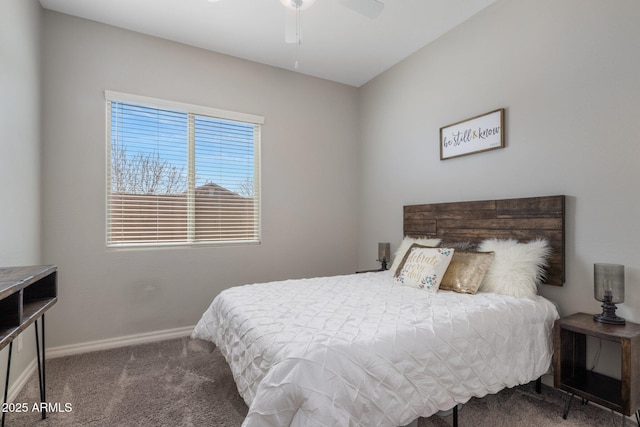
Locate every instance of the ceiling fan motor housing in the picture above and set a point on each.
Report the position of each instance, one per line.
(297, 4)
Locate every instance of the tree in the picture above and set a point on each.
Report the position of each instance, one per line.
(145, 173)
(246, 188)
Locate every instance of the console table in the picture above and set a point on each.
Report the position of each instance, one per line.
(25, 294)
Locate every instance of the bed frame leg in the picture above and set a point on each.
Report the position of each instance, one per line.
(539, 385)
(455, 416)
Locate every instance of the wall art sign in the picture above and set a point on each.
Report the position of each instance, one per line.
(480, 133)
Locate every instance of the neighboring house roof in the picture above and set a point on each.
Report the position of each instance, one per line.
(215, 190)
(210, 189)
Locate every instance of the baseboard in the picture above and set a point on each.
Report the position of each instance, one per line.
(86, 347)
(20, 382)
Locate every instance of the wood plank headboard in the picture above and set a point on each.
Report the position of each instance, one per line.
(521, 219)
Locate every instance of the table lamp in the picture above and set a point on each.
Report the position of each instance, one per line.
(608, 287)
(384, 254)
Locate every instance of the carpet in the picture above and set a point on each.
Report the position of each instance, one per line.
(184, 382)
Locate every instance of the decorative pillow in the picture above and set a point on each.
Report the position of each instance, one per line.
(466, 271)
(404, 247)
(424, 267)
(517, 268)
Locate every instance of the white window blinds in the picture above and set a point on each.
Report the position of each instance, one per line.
(180, 174)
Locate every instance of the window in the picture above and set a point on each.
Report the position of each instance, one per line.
(180, 174)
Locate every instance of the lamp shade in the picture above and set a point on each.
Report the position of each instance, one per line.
(384, 251)
(608, 287)
(384, 254)
(608, 282)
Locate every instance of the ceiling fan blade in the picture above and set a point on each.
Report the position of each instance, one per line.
(369, 8)
(290, 27)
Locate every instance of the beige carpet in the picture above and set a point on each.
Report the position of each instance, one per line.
(184, 382)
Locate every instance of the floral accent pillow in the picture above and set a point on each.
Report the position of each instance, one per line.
(407, 242)
(424, 268)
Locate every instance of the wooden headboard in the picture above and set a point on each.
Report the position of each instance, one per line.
(521, 219)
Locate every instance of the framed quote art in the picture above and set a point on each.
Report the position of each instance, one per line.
(474, 135)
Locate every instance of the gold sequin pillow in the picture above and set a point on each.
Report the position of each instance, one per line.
(466, 271)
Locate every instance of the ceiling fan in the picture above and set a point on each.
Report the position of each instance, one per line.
(369, 8)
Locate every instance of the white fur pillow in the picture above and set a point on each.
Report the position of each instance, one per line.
(517, 268)
(404, 247)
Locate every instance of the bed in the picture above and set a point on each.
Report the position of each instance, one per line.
(362, 349)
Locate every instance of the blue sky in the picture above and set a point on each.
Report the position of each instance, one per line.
(224, 150)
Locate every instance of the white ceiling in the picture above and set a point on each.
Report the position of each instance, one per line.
(337, 43)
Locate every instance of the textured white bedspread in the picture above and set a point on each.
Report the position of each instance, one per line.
(361, 350)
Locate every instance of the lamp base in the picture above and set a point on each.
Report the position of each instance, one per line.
(608, 315)
(610, 320)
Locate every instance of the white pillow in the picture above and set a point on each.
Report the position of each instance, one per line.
(424, 268)
(404, 247)
(517, 268)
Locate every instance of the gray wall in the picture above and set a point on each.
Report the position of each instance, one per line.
(308, 179)
(567, 73)
(19, 150)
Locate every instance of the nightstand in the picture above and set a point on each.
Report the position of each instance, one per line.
(570, 365)
(370, 271)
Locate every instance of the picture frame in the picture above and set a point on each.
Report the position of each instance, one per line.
(474, 135)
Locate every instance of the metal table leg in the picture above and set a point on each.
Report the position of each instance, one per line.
(567, 405)
(41, 370)
(6, 383)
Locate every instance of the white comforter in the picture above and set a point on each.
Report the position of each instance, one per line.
(361, 350)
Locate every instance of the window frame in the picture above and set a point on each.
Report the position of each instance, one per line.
(191, 110)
